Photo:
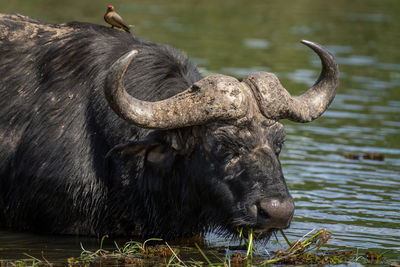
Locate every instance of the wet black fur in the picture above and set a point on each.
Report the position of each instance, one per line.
(69, 165)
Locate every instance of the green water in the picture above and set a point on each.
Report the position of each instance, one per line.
(358, 200)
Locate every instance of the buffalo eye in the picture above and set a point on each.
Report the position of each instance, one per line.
(194, 88)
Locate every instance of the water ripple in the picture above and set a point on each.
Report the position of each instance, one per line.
(255, 43)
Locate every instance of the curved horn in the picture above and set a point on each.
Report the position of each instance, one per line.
(211, 99)
(276, 103)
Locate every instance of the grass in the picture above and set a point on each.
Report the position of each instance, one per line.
(310, 249)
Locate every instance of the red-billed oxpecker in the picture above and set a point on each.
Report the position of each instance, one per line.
(115, 20)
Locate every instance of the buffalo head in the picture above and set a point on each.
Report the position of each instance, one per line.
(228, 133)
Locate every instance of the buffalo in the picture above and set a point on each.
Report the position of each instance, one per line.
(102, 132)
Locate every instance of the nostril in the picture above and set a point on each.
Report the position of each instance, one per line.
(261, 212)
(278, 213)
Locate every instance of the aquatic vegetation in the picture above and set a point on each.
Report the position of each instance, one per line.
(369, 156)
(305, 251)
(310, 249)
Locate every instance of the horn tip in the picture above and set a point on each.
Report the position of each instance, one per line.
(130, 55)
(125, 60)
(319, 49)
(310, 44)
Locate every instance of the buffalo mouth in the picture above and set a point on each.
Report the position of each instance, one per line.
(264, 218)
(245, 231)
(257, 231)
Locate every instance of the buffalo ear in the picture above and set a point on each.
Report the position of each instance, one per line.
(152, 150)
(160, 155)
(137, 148)
(155, 153)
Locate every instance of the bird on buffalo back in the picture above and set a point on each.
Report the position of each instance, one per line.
(115, 20)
